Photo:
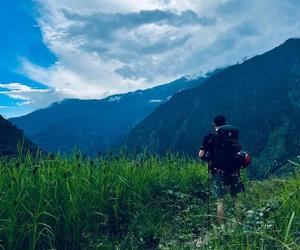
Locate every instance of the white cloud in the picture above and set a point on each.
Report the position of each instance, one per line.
(28, 96)
(107, 47)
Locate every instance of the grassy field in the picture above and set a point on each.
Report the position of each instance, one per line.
(148, 203)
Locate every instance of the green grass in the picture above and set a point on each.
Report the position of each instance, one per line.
(147, 203)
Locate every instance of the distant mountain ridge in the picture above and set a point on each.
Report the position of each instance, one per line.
(10, 137)
(261, 96)
(96, 125)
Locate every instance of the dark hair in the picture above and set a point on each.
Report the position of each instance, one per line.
(219, 120)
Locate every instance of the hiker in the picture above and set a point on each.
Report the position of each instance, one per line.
(219, 149)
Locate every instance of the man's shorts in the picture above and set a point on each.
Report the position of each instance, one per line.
(221, 184)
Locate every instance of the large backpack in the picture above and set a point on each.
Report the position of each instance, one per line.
(226, 147)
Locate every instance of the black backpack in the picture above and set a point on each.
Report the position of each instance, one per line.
(225, 149)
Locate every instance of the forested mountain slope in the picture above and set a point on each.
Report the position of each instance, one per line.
(10, 137)
(261, 96)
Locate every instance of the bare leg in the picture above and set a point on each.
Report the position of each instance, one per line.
(220, 211)
(236, 208)
(234, 201)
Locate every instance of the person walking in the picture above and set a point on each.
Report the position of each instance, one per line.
(220, 150)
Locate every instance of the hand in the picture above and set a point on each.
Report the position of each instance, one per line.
(201, 154)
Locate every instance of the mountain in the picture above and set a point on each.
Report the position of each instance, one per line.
(95, 125)
(10, 137)
(261, 96)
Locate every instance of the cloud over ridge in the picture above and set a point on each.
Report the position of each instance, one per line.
(104, 48)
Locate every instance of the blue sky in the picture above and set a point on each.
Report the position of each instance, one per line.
(56, 49)
(21, 38)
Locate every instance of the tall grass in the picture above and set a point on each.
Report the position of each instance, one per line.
(267, 216)
(114, 202)
(69, 203)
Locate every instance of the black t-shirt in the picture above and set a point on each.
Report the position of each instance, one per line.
(207, 142)
(208, 146)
